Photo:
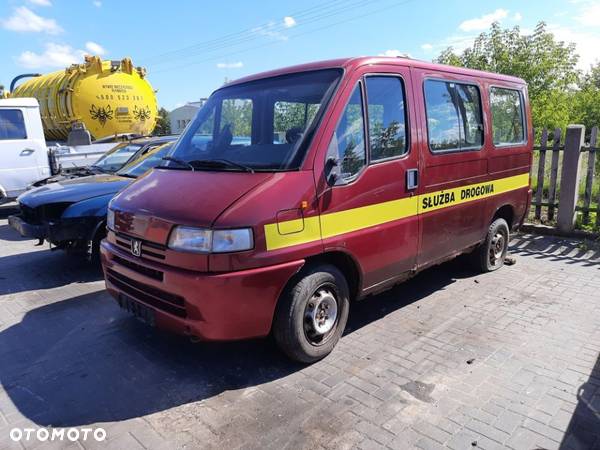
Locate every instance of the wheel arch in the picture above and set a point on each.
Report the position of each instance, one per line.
(346, 263)
(506, 212)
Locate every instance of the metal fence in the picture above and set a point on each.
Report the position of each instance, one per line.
(582, 177)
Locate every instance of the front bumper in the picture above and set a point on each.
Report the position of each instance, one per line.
(208, 306)
(27, 229)
(56, 231)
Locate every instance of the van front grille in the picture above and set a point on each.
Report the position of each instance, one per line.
(149, 249)
(143, 270)
(159, 299)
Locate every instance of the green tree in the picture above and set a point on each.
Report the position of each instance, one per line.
(163, 124)
(592, 78)
(547, 65)
(237, 114)
(586, 101)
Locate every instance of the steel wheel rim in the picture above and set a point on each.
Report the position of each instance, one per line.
(321, 315)
(497, 247)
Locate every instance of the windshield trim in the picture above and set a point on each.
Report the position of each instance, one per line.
(307, 138)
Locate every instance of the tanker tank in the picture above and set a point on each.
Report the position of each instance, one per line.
(108, 97)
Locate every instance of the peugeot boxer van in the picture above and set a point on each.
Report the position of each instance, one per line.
(295, 192)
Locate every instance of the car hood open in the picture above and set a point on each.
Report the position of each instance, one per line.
(74, 190)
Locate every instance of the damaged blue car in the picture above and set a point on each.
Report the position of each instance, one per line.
(71, 214)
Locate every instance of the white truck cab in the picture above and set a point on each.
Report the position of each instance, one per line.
(26, 157)
(23, 151)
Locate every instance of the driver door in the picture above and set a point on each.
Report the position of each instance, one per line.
(367, 196)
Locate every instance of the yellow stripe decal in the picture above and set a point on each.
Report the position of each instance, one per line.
(341, 222)
(451, 197)
(337, 223)
(309, 233)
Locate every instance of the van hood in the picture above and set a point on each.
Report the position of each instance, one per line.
(167, 197)
(74, 190)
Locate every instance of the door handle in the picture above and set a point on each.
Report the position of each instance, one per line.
(27, 151)
(412, 179)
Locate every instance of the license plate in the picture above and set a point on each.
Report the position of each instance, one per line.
(139, 310)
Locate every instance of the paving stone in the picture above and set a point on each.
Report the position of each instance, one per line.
(508, 421)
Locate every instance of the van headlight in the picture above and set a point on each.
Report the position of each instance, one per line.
(201, 240)
(110, 219)
(224, 241)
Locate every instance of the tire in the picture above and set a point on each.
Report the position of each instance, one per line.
(490, 255)
(303, 327)
(94, 256)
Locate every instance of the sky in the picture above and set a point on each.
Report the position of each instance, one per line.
(190, 48)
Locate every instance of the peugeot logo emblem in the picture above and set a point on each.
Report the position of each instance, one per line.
(136, 247)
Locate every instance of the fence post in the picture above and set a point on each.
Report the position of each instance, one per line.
(539, 190)
(554, 173)
(569, 180)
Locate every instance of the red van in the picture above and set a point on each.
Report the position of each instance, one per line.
(297, 191)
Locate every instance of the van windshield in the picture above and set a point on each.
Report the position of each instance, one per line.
(263, 125)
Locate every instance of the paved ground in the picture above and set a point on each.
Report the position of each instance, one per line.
(454, 359)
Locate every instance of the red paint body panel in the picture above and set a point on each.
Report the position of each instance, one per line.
(233, 296)
(231, 305)
(389, 249)
(262, 205)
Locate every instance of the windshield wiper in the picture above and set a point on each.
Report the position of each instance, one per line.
(96, 168)
(222, 162)
(181, 162)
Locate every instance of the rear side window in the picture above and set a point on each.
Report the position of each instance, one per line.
(387, 117)
(348, 142)
(454, 118)
(508, 124)
(12, 125)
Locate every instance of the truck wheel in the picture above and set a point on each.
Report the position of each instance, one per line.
(312, 314)
(491, 253)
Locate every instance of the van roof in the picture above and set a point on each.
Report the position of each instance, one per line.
(353, 63)
(23, 102)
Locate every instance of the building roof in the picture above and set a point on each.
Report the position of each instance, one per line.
(193, 106)
(353, 63)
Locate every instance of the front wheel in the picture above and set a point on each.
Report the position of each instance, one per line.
(490, 255)
(312, 314)
(93, 250)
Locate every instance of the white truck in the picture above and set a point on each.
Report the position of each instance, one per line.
(25, 157)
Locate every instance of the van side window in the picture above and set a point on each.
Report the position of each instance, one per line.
(387, 117)
(290, 119)
(236, 119)
(508, 125)
(348, 142)
(454, 117)
(12, 125)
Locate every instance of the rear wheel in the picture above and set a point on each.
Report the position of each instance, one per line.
(312, 314)
(490, 255)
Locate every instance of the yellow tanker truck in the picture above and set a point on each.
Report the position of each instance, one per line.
(107, 97)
